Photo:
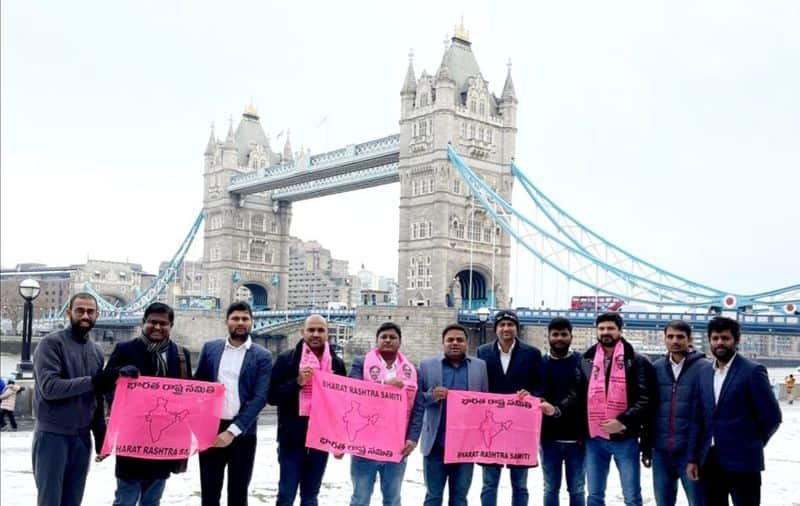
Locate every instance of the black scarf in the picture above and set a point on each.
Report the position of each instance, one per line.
(157, 350)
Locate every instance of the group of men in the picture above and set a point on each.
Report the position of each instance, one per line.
(700, 422)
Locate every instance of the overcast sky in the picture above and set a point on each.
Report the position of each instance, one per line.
(672, 129)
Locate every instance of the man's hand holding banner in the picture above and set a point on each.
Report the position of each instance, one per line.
(492, 428)
(163, 418)
(357, 417)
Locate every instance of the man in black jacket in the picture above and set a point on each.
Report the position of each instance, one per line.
(300, 466)
(676, 378)
(615, 424)
(154, 354)
(513, 367)
(563, 441)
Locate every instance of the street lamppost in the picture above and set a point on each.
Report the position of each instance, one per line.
(483, 317)
(29, 290)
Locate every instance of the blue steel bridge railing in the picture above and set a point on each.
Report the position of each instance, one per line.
(750, 323)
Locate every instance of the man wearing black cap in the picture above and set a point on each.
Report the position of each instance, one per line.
(513, 367)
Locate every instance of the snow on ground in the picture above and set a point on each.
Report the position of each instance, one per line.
(781, 481)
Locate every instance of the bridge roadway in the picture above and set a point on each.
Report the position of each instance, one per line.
(354, 167)
(787, 325)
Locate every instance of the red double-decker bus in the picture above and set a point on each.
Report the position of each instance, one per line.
(596, 302)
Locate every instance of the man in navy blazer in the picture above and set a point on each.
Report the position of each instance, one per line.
(457, 371)
(513, 368)
(735, 415)
(244, 367)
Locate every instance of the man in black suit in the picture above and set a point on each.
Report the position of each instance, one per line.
(153, 354)
(300, 467)
(513, 367)
(735, 415)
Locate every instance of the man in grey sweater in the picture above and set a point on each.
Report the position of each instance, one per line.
(67, 402)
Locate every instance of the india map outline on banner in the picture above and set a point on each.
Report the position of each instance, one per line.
(163, 418)
(492, 428)
(357, 417)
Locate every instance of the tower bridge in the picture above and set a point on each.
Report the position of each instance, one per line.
(454, 160)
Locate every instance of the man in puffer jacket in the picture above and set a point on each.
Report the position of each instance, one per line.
(676, 376)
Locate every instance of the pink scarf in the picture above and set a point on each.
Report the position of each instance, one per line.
(309, 359)
(375, 370)
(602, 406)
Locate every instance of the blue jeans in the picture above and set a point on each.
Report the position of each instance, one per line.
(598, 459)
(144, 492)
(300, 467)
(667, 470)
(437, 473)
(60, 465)
(572, 456)
(363, 472)
(519, 485)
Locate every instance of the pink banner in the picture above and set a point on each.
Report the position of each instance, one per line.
(492, 428)
(357, 417)
(163, 418)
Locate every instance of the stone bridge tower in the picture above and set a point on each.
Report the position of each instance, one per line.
(246, 239)
(451, 253)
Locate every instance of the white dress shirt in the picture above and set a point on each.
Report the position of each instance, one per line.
(676, 367)
(391, 372)
(505, 358)
(720, 371)
(230, 367)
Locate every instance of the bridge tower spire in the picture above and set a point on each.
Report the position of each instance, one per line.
(450, 252)
(246, 239)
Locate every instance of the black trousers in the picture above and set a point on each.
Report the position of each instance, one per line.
(10, 414)
(238, 457)
(743, 488)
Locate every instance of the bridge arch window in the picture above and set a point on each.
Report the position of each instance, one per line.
(414, 230)
(457, 186)
(480, 133)
(429, 234)
(487, 234)
(432, 184)
(239, 221)
(474, 231)
(490, 132)
(482, 109)
(257, 252)
(243, 252)
(472, 131)
(257, 222)
(472, 105)
(463, 129)
(273, 227)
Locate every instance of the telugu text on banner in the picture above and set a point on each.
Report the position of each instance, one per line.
(357, 417)
(492, 428)
(163, 418)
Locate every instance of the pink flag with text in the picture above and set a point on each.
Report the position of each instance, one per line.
(357, 417)
(163, 418)
(492, 428)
